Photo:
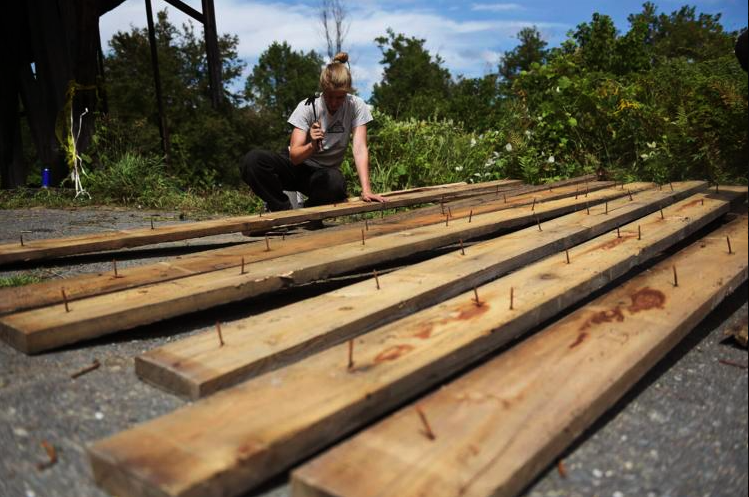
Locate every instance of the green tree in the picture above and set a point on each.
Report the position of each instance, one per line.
(414, 83)
(684, 33)
(206, 143)
(532, 48)
(282, 78)
(597, 42)
(476, 102)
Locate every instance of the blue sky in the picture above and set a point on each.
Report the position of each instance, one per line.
(470, 36)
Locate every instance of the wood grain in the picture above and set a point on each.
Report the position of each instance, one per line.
(497, 427)
(195, 367)
(231, 441)
(52, 326)
(58, 247)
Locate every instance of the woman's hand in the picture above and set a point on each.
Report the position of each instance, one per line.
(316, 133)
(372, 197)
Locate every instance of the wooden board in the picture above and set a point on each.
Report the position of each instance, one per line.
(50, 292)
(198, 366)
(231, 441)
(497, 427)
(58, 247)
(53, 326)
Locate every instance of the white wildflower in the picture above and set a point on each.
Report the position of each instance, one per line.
(458, 168)
(508, 147)
(551, 159)
(473, 142)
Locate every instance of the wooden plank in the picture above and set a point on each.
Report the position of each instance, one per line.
(50, 292)
(196, 366)
(53, 326)
(231, 441)
(499, 426)
(58, 247)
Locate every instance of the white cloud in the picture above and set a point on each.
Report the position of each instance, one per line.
(496, 7)
(468, 47)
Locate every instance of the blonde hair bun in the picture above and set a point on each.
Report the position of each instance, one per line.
(336, 76)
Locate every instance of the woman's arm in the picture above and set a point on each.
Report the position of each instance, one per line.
(361, 159)
(302, 146)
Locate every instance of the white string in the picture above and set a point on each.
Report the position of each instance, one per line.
(75, 174)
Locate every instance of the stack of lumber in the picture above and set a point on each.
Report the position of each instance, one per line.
(273, 389)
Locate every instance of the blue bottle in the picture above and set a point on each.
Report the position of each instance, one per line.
(45, 177)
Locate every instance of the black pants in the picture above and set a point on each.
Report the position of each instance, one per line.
(270, 173)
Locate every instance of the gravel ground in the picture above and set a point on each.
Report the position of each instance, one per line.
(682, 431)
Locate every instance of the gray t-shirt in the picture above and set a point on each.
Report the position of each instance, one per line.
(354, 112)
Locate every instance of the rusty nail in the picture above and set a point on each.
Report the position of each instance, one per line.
(470, 216)
(51, 454)
(662, 217)
(242, 271)
(94, 365)
(267, 244)
(561, 469)
(114, 266)
(512, 298)
(533, 207)
(220, 336)
(377, 278)
(618, 233)
(586, 190)
(442, 205)
(151, 223)
(362, 237)
(607, 208)
(728, 241)
(639, 232)
(577, 192)
(567, 253)
(366, 224)
(505, 199)
(676, 277)
(538, 222)
(427, 429)
(65, 299)
(350, 354)
(671, 185)
(476, 297)
(449, 212)
(703, 201)
(22, 240)
(283, 235)
(447, 220)
(462, 250)
(587, 207)
(630, 195)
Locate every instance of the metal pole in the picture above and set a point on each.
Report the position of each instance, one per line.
(163, 130)
(212, 53)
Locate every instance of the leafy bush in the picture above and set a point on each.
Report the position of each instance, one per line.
(411, 153)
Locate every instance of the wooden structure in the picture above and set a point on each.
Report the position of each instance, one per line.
(48, 44)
